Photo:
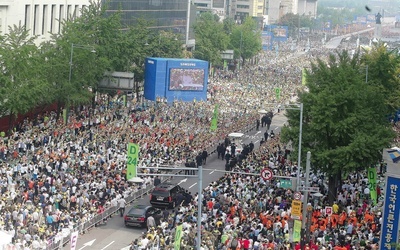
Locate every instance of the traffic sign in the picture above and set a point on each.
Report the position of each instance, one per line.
(328, 210)
(297, 196)
(296, 209)
(309, 189)
(267, 174)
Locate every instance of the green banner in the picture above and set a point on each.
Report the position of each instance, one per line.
(132, 161)
(278, 93)
(178, 236)
(296, 231)
(372, 182)
(214, 120)
(225, 65)
(124, 99)
(303, 77)
(65, 115)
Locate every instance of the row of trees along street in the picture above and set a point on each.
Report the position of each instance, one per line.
(346, 112)
(38, 75)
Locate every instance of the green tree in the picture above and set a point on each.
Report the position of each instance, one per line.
(246, 40)
(211, 38)
(294, 21)
(96, 42)
(22, 85)
(381, 67)
(344, 124)
(165, 44)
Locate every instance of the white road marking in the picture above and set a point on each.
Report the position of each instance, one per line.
(108, 245)
(257, 141)
(193, 185)
(212, 171)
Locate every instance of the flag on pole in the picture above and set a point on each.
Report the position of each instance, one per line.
(132, 160)
(65, 115)
(178, 236)
(124, 99)
(303, 77)
(74, 240)
(372, 182)
(278, 93)
(214, 120)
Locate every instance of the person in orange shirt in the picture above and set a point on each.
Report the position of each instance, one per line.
(342, 218)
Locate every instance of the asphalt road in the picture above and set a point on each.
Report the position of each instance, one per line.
(115, 236)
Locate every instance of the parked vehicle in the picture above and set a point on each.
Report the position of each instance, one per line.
(137, 215)
(165, 195)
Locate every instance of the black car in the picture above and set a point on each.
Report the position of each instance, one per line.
(165, 195)
(137, 215)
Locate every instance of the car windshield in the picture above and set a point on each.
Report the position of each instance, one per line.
(163, 193)
(135, 211)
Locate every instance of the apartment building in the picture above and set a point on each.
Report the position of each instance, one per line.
(40, 17)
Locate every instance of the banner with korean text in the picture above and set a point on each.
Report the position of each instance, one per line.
(178, 236)
(372, 182)
(132, 160)
(391, 210)
(296, 231)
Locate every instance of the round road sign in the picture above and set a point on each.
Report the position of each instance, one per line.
(297, 196)
(266, 174)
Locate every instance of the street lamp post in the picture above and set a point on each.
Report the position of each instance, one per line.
(91, 48)
(240, 47)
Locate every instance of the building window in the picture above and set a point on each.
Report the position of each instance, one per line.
(36, 18)
(27, 17)
(76, 11)
(69, 11)
(61, 17)
(53, 18)
(243, 6)
(44, 19)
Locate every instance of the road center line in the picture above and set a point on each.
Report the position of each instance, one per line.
(108, 245)
(193, 185)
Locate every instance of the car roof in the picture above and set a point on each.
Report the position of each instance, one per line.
(236, 135)
(141, 207)
(166, 186)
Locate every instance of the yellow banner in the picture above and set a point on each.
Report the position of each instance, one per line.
(296, 209)
(303, 76)
(178, 236)
(132, 160)
(297, 231)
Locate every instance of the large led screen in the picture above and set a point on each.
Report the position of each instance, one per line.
(186, 79)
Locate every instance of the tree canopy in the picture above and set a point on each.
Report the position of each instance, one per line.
(345, 123)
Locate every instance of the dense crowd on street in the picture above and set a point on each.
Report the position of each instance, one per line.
(56, 176)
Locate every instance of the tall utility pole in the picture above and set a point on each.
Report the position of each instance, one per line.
(187, 25)
(304, 230)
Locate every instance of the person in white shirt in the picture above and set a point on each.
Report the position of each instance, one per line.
(122, 205)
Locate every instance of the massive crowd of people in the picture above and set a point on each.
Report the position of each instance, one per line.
(55, 176)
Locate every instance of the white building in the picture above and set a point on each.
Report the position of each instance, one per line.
(40, 17)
